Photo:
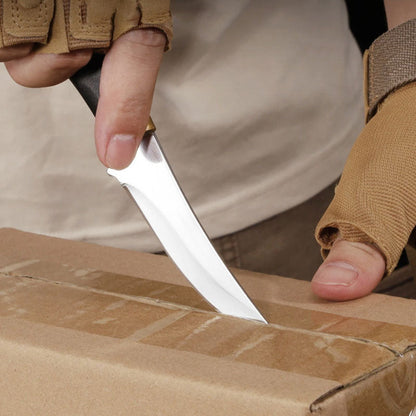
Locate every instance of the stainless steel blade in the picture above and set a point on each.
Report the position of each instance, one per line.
(153, 186)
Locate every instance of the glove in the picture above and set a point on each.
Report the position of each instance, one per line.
(87, 23)
(375, 200)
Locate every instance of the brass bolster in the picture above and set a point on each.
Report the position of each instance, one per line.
(150, 128)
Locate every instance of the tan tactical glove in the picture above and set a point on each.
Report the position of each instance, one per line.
(87, 23)
(375, 200)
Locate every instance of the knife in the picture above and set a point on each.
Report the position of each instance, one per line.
(153, 186)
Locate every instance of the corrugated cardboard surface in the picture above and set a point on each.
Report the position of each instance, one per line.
(89, 330)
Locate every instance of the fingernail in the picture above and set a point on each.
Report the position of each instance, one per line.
(336, 274)
(120, 151)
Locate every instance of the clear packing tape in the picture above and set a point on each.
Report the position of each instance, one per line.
(60, 26)
(375, 198)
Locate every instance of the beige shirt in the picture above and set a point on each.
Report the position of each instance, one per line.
(257, 106)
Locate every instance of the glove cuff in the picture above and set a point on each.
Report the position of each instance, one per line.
(389, 63)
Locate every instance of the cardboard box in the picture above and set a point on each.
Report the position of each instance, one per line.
(90, 330)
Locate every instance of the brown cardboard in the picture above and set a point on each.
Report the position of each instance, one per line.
(90, 330)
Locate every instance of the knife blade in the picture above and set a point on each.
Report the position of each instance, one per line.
(152, 184)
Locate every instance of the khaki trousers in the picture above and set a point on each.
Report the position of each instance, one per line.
(284, 245)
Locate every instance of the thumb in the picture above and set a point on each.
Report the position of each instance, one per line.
(127, 83)
(351, 270)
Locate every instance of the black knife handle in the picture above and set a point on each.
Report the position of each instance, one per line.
(87, 81)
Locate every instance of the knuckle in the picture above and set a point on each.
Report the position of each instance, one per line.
(153, 38)
(15, 52)
(68, 61)
(130, 106)
(128, 115)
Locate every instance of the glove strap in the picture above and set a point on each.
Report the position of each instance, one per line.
(389, 63)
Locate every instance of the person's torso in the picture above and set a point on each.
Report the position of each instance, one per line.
(257, 106)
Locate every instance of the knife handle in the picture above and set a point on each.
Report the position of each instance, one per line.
(87, 82)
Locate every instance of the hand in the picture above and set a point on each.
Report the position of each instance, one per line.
(373, 212)
(126, 89)
(353, 268)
